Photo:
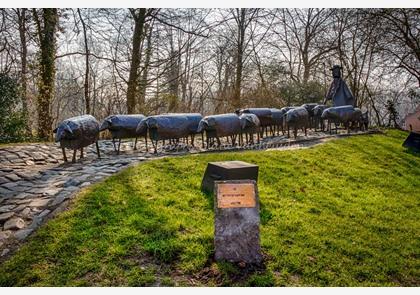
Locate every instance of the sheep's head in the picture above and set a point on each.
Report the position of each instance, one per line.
(63, 131)
(142, 126)
(249, 120)
(202, 125)
(106, 124)
(326, 113)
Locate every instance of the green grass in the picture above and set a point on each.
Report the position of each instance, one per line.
(345, 213)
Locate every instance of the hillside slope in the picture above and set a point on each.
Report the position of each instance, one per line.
(345, 213)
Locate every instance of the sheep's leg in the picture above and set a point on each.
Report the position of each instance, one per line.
(145, 139)
(295, 132)
(97, 150)
(135, 144)
(81, 153)
(218, 142)
(119, 145)
(288, 131)
(64, 155)
(74, 156)
(155, 146)
(305, 132)
(192, 139)
(113, 142)
(202, 140)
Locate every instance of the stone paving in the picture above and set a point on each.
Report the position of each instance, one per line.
(35, 183)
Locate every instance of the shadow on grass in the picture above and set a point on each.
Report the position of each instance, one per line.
(97, 236)
(412, 152)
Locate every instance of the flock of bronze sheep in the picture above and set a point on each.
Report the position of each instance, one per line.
(239, 128)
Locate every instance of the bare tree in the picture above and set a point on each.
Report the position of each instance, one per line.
(305, 39)
(139, 17)
(87, 66)
(46, 21)
(400, 37)
(243, 18)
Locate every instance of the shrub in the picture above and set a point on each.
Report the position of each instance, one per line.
(12, 122)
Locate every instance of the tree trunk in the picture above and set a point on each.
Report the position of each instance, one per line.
(236, 103)
(139, 19)
(23, 57)
(47, 40)
(87, 90)
(173, 74)
(143, 81)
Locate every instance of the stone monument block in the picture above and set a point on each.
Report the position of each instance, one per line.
(237, 222)
(227, 170)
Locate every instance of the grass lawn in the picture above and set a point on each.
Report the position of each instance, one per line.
(345, 213)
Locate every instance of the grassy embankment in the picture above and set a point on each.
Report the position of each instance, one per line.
(345, 213)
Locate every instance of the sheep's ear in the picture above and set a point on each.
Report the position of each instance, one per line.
(68, 129)
(200, 126)
(55, 130)
(105, 125)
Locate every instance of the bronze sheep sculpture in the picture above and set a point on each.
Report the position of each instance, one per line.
(123, 126)
(78, 132)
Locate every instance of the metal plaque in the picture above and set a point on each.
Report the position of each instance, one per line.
(237, 221)
(236, 195)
